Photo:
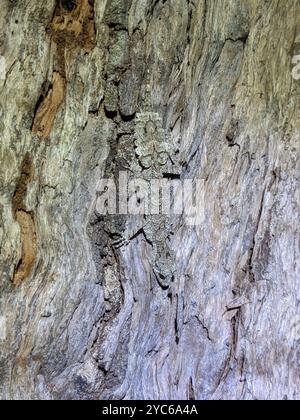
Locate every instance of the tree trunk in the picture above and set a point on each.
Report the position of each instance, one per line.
(206, 310)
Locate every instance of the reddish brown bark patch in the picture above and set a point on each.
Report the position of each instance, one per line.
(72, 27)
(26, 176)
(26, 223)
(73, 24)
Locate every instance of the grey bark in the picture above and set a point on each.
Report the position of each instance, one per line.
(82, 320)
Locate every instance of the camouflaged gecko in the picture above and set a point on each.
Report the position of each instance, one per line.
(154, 159)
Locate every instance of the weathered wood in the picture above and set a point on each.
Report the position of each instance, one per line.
(83, 319)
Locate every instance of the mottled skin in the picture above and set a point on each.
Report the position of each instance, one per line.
(154, 160)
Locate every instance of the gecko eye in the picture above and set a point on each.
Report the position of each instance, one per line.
(68, 5)
(146, 161)
(162, 158)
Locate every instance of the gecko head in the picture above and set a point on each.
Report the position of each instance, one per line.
(150, 128)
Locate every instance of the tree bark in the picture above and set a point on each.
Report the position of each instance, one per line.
(81, 318)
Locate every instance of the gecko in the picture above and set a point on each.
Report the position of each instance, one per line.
(154, 158)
